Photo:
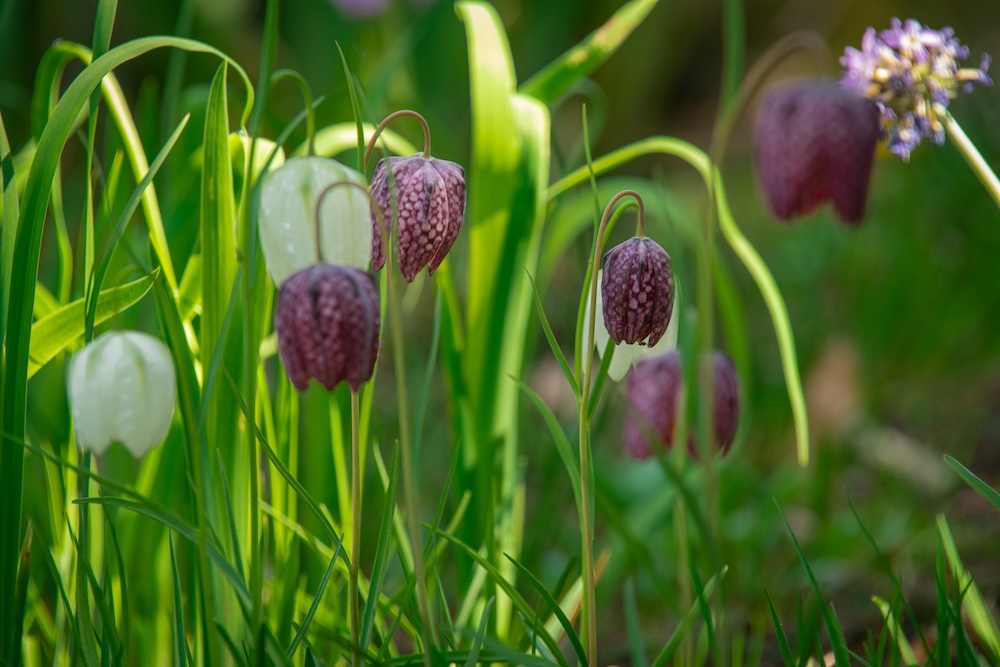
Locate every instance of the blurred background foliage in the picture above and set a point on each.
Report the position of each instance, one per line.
(896, 321)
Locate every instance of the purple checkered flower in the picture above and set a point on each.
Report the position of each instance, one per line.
(911, 72)
(327, 321)
(430, 197)
(637, 289)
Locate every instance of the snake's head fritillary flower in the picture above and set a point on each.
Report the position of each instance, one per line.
(288, 217)
(430, 197)
(637, 288)
(122, 389)
(654, 390)
(912, 73)
(327, 321)
(815, 141)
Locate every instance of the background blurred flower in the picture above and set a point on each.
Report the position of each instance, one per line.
(912, 73)
(815, 141)
(122, 388)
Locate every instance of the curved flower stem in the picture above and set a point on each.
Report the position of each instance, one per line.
(586, 522)
(319, 202)
(972, 155)
(357, 657)
(388, 119)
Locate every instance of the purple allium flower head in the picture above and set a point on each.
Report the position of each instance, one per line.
(911, 72)
(815, 141)
(430, 195)
(637, 289)
(654, 387)
(327, 321)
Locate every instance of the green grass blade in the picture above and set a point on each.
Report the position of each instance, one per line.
(125, 617)
(981, 487)
(230, 515)
(783, 646)
(602, 377)
(382, 552)
(519, 603)
(684, 626)
(97, 279)
(905, 652)
(477, 644)
(829, 619)
(356, 109)
(560, 440)
(9, 211)
(554, 607)
(51, 334)
(557, 78)
(180, 643)
(553, 343)
(317, 599)
(638, 647)
(972, 602)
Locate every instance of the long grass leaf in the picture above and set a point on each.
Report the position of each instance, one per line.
(9, 211)
(317, 599)
(560, 440)
(382, 550)
(557, 78)
(554, 607)
(553, 343)
(905, 652)
(638, 647)
(684, 626)
(51, 334)
(981, 487)
(180, 643)
(783, 646)
(477, 644)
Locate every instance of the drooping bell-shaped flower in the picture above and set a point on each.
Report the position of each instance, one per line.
(288, 223)
(122, 389)
(430, 198)
(637, 288)
(654, 389)
(815, 141)
(626, 356)
(327, 321)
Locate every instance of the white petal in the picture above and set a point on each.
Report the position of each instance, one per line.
(122, 387)
(287, 217)
(626, 355)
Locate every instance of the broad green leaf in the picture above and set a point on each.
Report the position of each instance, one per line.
(8, 224)
(559, 77)
(51, 334)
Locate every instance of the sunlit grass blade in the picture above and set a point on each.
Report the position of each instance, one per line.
(86, 581)
(981, 487)
(356, 109)
(556, 610)
(125, 631)
(905, 652)
(180, 643)
(972, 600)
(553, 343)
(684, 626)
(829, 618)
(519, 603)
(559, 76)
(53, 333)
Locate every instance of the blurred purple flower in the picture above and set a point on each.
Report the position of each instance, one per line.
(366, 9)
(912, 73)
(815, 141)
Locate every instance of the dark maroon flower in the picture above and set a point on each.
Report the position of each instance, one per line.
(327, 320)
(638, 291)
(653, 390)
(816, 141)
(430, 195)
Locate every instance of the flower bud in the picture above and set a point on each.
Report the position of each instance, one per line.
(638, 291)
(816, 141)
(654, 388)
(122, 388)
(288, 222)
(327, 321)
(430, 196)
